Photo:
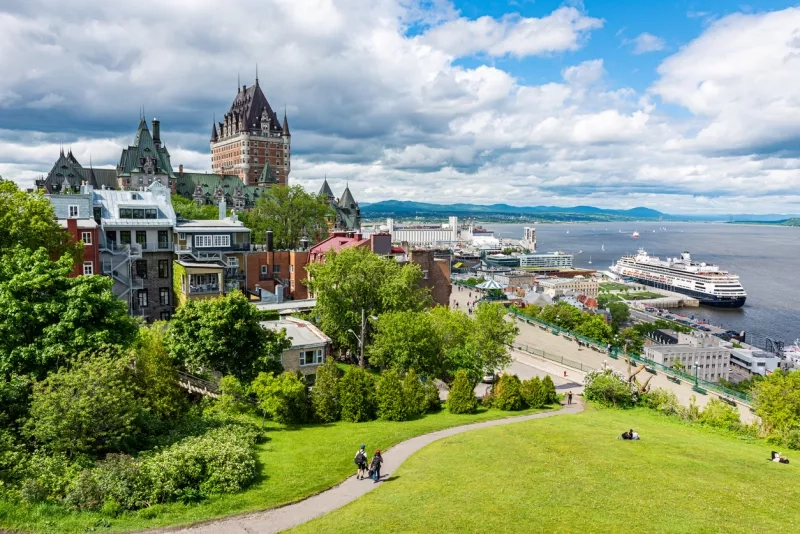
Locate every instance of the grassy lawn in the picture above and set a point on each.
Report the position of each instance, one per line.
(571, 474)
(295, 462)
(613, 286)
(643, 295)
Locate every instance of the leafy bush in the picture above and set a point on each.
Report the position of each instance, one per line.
(232, 396)
(47, 477)
(90, 408)
(533, 392)
(462, 396)
(284, 397)
(156, 374)
(325, 395)
(357, 395)
(389, 394)
(414, 394)
(432, 401)
(609, 388)
(721, 415)
(550, 394)
(507, 394)
(663, 400)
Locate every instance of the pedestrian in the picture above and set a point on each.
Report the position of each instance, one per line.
(565, 374)
(361, 462)
(569, 397)
(375, 466)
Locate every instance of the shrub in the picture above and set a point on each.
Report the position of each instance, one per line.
(487, 401)
(231, 396)
(357, 395)
(609, 388)
(721, 415)
(533, 392)
(156, 374)
(663, 400)
(462, 396)
(325, 395)
(414, 394)
(90, 408)
(47, 477)
(284, 397)
(550, 394)
(389, 394)
(432, 401)
(507, 394)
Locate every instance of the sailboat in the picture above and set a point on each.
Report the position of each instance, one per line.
(567, 231)
(590, 259)
(603, 248)
(635, 235)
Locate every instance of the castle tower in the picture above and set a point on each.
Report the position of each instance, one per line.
(252, 143)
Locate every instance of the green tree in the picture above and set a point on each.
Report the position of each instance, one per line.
(283, 397)
(357, 395)
(492, 336)
(562, 315)
(595, 327)
(48, 317)
(620, 314)
(232, 395)
(390, 398)
(549, 389)
(462, 395)
(91, 408)
(156, 374)
(357, 280)
(224, 334)
(456, 332)
(508, 394)
(28, 221)
(414, 394)
(533, 392)
(188, 209)
(776, 400)
(406, 340)
(291, 213)
(721, 415)
(433, 402)
(608, 388)
(325, 395)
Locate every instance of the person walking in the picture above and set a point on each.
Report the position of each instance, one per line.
(361, 462)
(375, 466)
(565, 374)
(569, 397)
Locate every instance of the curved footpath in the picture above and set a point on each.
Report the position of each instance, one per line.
(283, 518)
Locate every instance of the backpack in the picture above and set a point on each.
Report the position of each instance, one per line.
(376, 462)
(360, 457)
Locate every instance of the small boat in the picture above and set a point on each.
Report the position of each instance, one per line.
(654, 231)
(603, 248)
(580, 252)
(567, 231)
(635, 235)
(590, 259)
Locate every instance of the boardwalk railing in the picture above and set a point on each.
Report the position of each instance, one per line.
(552, 357)
(671, 373)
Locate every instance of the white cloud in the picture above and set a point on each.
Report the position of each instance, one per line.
(645, 42)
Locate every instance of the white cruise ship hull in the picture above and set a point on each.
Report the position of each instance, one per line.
(703, 298)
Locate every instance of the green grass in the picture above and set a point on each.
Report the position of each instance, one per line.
(295, 462)
(613, 286)
(570, 474)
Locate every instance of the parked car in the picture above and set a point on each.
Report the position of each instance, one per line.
(489, 378)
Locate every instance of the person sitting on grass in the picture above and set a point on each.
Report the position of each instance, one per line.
(776, 457)
(625, 435)
(634, 435)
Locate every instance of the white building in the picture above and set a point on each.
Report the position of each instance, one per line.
(547, 260)
(579, 285)
(700, 352)
(754, 361)
(449, 233)
(529, 238)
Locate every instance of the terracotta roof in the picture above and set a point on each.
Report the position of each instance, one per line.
(337, 243)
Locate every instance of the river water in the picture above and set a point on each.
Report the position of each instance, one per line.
(766, 258)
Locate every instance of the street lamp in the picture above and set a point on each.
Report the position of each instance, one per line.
(696, 367)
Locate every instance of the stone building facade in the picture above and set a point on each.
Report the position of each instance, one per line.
(435, 274)
(250, 142)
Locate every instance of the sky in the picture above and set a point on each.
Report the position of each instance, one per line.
(685, 106)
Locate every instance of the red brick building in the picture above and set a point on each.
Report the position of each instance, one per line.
(250, 142)
(268, 269)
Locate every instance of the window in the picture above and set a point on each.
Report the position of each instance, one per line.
(125, 237)
(165, 316)
(141, 238)
(98, 214)
(73, 211)
(291, 268)
(111, 237)
(276, 269)
(163, 268)
(141, 298)
(86, 237)
(182, 236)
(141, 268)
(222, 240)
(311, 357)
(151, 213)
(163, 296)
(425, 275)
(265, 269)
(202, 241)
(88, 268)
(163, 239)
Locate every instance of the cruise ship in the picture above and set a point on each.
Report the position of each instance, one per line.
(707, 283)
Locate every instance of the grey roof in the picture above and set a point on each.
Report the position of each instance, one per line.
(347, 200)
(144, 147)
(61, 205)
(286, 125)
(226, 225)
(326, 189)
(199, 265)
(249, 103)
(302, 333)
(214, 136)
(156, 195)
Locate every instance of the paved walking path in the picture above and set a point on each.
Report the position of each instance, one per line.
(280, 519)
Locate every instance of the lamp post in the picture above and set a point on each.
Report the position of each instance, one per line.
(360, 338)
(696, 368)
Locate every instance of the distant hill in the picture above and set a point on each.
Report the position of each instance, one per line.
(405, 207)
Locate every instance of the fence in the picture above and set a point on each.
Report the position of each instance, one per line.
(615, 353)
(552, 357)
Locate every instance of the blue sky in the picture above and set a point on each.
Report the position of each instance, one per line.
(682, 106)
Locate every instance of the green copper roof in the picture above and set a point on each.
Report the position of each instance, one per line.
(144, 148)
(187, 184)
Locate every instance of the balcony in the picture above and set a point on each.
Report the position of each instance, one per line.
(240, 246)
(207, 289)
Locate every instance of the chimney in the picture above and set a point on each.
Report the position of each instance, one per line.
(304, 244)
(180, 170)
(222, 207)
(157, 133)
(269, 241)
(72, 227)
